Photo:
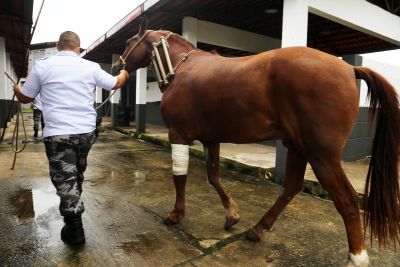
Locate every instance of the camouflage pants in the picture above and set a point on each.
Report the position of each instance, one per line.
(37, 119)
(67, 156)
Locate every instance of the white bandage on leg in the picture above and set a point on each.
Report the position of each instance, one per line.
(180, 159)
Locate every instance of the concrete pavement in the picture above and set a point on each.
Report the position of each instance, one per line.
(128, 190)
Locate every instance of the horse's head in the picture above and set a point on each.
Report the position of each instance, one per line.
(137, 52)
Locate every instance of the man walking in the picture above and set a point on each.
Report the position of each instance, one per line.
(65, 83)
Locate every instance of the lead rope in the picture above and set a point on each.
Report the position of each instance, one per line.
(14, 140)
(183, 59)
(108, 98)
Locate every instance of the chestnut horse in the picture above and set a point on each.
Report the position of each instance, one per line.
(303, 96)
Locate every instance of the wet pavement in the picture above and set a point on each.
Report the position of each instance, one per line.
(128, 190)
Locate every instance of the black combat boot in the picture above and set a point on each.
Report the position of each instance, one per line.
(72, 233)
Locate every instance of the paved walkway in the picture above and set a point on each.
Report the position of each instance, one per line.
(128, 190)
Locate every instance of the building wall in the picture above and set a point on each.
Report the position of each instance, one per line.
(40, 53)
(6, 93)
(153, 101)
(390, 72)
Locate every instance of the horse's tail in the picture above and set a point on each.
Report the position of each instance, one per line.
(382, 193)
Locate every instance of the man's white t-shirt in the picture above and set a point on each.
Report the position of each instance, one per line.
(66, 84)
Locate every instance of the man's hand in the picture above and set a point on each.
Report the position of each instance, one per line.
(121, 79)
(21, 97)
(16, 89)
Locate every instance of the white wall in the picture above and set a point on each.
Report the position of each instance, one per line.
(40, 53)
(196, 30)
(390, 72)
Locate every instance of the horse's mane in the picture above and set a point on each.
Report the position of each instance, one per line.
(177, 36)
(183, 39)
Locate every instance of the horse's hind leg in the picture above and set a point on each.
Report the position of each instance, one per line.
(231, 208)
(332, 177)
(292, 184)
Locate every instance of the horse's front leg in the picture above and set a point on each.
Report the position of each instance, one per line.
(211, 152)
(180, 163)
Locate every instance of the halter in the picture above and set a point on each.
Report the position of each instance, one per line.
(163, 78)
(123, 59)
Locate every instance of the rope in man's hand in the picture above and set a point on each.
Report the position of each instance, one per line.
(14, 142)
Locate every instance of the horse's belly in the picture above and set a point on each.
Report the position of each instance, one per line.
(241, 131)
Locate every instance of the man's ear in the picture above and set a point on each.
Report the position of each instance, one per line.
(78, 51)
(143, 26)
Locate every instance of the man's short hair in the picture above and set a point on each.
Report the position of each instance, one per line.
(69, 40)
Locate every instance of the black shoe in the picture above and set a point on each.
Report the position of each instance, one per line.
(72, 233)
(35, 135)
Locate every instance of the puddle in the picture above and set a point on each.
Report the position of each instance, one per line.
(43, 200)
(145, 243)
(23, 205)
(105, 176)
(29, 204)
(134, 177)
(208, 243)
(140, 177)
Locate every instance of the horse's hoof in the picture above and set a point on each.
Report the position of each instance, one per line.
(168, 221)
(230, 221)
(252, 235)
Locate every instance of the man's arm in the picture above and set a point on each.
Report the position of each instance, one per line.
(21, 97)
(121, 79)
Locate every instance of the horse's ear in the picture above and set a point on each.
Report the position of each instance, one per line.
(143, 26)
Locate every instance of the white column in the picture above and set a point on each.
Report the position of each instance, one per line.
(294, 33)
(99, 95)
(294, 23)
(3, 65)
(190, 30)
(115, 99)
(141, 84)
(141, 90)
(3, 84)
(8, 81)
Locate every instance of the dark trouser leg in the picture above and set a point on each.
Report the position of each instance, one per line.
(42, 120)
(36, 121)
(67, 160)
(85, 143)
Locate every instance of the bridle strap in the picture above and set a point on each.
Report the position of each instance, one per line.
(123, 59)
